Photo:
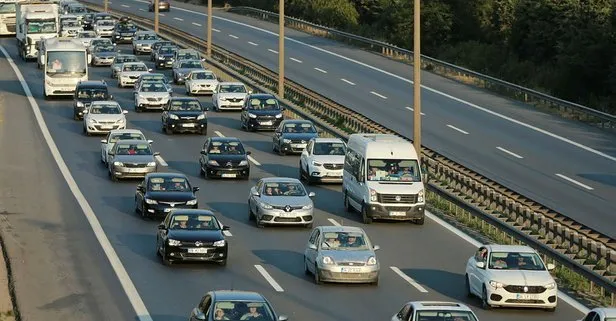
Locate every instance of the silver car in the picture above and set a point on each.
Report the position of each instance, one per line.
(103, 55)
(143, 41)
(108, 143)
(341, 254)
(130, 72)
(182, 68)
(280, 200)
(229, 96)
(131, 159)
(119, 61)
(151, 95)
(86, 37)
(104, 28)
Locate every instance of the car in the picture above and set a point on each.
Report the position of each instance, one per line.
(600, 314)
(224, 157)
(511, 275)
(154, 77)
(292, 136)
(261, 112)
(230, 96)
(158, 44)
(200, 82)
(143, 41)
(85, 93)
(131, 158)
(103, 55)
(102, 16)
(187, 54)
(124, 32)
(102, 117)
(151, 95)
(86, 23)
(434, 310)
(86, 37)
(184, 114)
(70, 28)
(116, 135)
(322, 160)
(159, 193)
(97, 42)
(119, 60)
(104, 28)
(280, 201)
(130, 72)
(192, 235)
(182, 68)
(234, 305)
(163, 58)
(163, 5)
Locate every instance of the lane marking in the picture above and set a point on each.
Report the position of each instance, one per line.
(234, 36)
(296, 60)
(321, 70)
(127, 284)
(458, 129)
(215, 30)
(348, 82)
(272, 51)
(197, 24)
(125, 6)
(334, 222)
(378, 95)
(226, 233)
(161, 161)
(178, 19)
(509, 152)
(250, 158)
(253, 43)
(161, 14)
(141, 9)
(219, 134)
(269, 278)
(409, 279)
(575, 182)
(411, 109)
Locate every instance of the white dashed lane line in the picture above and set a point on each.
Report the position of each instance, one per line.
(408, 279)
(140, 9)
(334, 222)
(250, 158)
(161, 14)
(125, 6)
(348, 82)
(269, 278)
(215, 30)
(234, 36)
(509, 152)
(197, 24)
(178, 19)
(272, 51)
(411, 109)
(457, 129)
(226, 233)
(575, 182)
(320, 70)
(378, 95)
(253, 43)
(296, 60)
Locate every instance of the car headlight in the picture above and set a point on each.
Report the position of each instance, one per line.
(420, 196)
(91, 121)
(121, 121)
(251, 115)
(161, 58)
(371, 261)
(286, 141)
(265, 206)
(79, 104)
(118, 164)
(279, 115)
(213, 163)
(496, 284)
(373, 195)
(151, 164)
(550, 286)
(328, 260)
(202, 116)
(243, 163)
(220, 243)
(192, 202)
(222, 98)
(149, 201)
(172, 116)
(174, 242)
(307, 207)
(317, 164)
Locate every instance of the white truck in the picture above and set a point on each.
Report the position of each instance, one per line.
(65, 64)
(7, 17)
(35, 20)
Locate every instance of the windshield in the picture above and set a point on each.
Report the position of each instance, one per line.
(42, 26)
(87, 34)
(515, 261)
(132, 67)
(284, 189)
(98, 42)
(299, 128)
(191, 64)
(76, 10)
(105, 23)
(445, 315)
(156, 87)
(203, 76)
(226, 148)
(7, 8)
(194, 222)
(344, 241)
(264, 104)
(169, 184)
(388, 170)
(107, 109)
(133, 149)
(126, 136)
(242, 310)
(338, 149)
(166, 50)
(126, 27)
(188, 56)
(154, 77)
(147, 37)
(185, 105)
(124, 59)
(105, 48)
(92, 93)
(67, 63)
(232, 89)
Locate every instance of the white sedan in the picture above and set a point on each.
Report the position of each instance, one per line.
(322, 160)
(511, 276)
(130, 72)
(102, 117)
(230, 95)
(201, 82)
(116, 135)
(600, 314)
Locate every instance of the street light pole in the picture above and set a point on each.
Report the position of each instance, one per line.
(417, 79)
(209, 28)
(156, 16)
(281, 49)
(106, 5)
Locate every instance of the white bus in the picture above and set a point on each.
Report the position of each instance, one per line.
(7, 17)
(382, 178)
(66, 64)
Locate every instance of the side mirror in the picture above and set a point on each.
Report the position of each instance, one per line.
(312, 194)
(376, 248)
(85, 111)
(225, 228)
(111, 97)
(198, 314)
(203, 152)
(283, 318)
(157, 154)
(150, 141)
(312, 246)
(481, 265)
(161, 226)
(103, 141)
(195, 189)
(254, 193)
(551, 266)
(206, 109)
(42, 57)
(110, 153)
(150, 70)
(248, 152)
(125, 112)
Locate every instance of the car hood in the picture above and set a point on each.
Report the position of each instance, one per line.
(396, 187)
(257, 112)
(134, 158)
(516, 277)
(186, 113)
(287, 200)
(340, 256)
(329, 159)
(224, 159)
(196, 235)
(170, 196)
(300, 136)
(133, 73)
(203, 81)
(105, 54)
(150, 94)
(232, 95)
(145, 42)
(105, 117)
(185, 70)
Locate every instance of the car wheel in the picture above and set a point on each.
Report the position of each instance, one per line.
(553, 309)
(157, 248)
(137, 207)
(364, 215)
(168, 131)
(310, 225)
(258, 222)
(469, 293)
(75, 116)
(306, 270)
(201, 171)
(114, 178)
(251, 215)
(347, 205)
(420, 221)
(309, 179)
(301, 171)
(274, 147)
(280, 151)
(317, 277)
(166, 260)
(484, 300)
(375, 282)
(203, 131)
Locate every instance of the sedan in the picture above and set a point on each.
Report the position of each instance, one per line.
(201, 82)
(151, 95)
(124, 32)
(192, 235)
(102, 117)
(154, 77)
(600, 314)
(341, 254)
(261, 112)
(234, 305)
(163, 58)
(322, 160)
(143, 41)
(70, 28)
(183, 114)
(292, 136)
(159, 193)
(157, 45)
(131, 159)
(119, 61)
(104, 28)
(130, 72)
(187, 54)
(86, 37)
(280, 200)
(163, 5)
(230, 96)
(182, 68)
(224, 157)
(431, 310)
(116, 135)
(103, 55)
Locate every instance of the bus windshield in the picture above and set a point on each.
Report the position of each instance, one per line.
(42, 26)
(66, 64)
(393, 170)
(7, 8)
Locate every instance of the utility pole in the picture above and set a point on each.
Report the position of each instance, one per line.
(209, 28)
(156, 16)
(417, 79)
(281, 49)
(106, 5)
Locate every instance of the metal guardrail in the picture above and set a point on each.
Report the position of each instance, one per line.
(566, 242)
(565, 108)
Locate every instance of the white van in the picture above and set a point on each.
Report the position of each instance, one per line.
(382, 178)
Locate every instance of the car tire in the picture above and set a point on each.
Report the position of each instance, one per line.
(201, 171)
(420, 221)
(222, 263)
(137, 207)
(306, 270)
(484, 299)
(347, 204)
(168, 131)
(75, 116)
(158, 248)
(317, 278)
(166, 260)
(551, 310)
(258, 222)
(310, 225)
(364, 215)
(280, 151)
(203, 131)
(469, 293)
(375, 283)
(251, 215)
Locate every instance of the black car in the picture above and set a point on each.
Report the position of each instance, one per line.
(159, 193)
(86, 92)
(235, 305)
(163, 58)
(163, 5)
(184, 114)
(224, 157)
(261, 112)
(87, 21)
(124, 33)
(293, 135)
(157, 45)
(192, 235)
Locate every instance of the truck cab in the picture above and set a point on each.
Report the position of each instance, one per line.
(36, 20)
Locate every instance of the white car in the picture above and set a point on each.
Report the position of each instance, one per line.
(130, 72)
(86, 37)
(104, 28)
(434, 310)
(102, 117)
(200, 82)
(511, 276)
(230, 96)
(151, 95)
(322, 160)
(600, 314)
(116, 135)
(70, 28)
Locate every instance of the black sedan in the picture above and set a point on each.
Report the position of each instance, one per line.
(163, 58)
(192, 235)
(261, 112)
(159, 193)
(159, 44)
(124, 33)
(235, 305)
(184, 114)
(224, 157)
(293, 135)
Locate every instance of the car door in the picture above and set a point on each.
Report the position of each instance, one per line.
(478, 274)
(140, 194)
(204, 307)
(277, 135)
(165, 114)
(162, 233)
(309, 253)
(252, 199)
(203, 157)
(404, 314)
(104, 143)
(305, 158)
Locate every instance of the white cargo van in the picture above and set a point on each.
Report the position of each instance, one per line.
(382, 178)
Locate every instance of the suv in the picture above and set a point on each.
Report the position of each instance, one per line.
(261, 112)
(85, 93)
(163, 5)
(434, 310)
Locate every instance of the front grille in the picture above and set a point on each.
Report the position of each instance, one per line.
(154, 99)
(265, 118)
(172, 204)
(351, 263)
(284, 208)
(133, 77)
(135, 165)
(398, 208)
(524, 301)
(400, 198)
(234, 100)
(287, 219)
(349, 276)
(333, 166)
(103, 122)
(520, 289)
(201, 244)
(188, 118)
(201, 255)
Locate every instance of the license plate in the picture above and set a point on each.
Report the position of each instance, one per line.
(526, 296)
(266, 123)
(198, 250)
(229, 175)
(106, 127)
(188, 125)
(397, 213)
(133, 170)
(298, 145)
(351, 270)
(286, 215)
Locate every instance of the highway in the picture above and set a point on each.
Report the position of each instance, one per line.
(431, 255)
(564, 165)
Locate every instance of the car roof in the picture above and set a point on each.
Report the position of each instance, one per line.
(191, 60)
(105, 102)
(225, 139)
(510, 248)
(344, 228)
(439, 305)
(262, 96)
(280, 179)
(184, 211)
(236, 295)
(134, 63)
(607, 312)
(327, 140)
(166, 174)
(126, 131)
(92, 84)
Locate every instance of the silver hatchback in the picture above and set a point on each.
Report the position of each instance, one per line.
(280, 201)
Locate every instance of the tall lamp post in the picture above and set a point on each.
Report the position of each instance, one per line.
(281, 49)
(106, 5)
(417, 79)
(209, 28)
(156, 16)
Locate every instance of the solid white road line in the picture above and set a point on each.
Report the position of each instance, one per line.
(378, 95)
(321, 70)
(141, 9)
(457, 129)
(575, 182)
(99, 233)
(272, 51)
(334, 222)
(161, 14)
(296, 60)
(269, 278)
(509, 152)
(234, 36)
(348, 82)
(215, 30)
(408, 279)
(178, 19)
(125, 6)
(253, 43)
(161, 161)
(411, 109)
(250, 158)
(197, 24)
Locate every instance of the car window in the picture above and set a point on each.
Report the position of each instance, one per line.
(391, 170)
(292, 127)
(135, 68)
(344, 241)
(105, 48)
(169, 184)
(263, 104)
(232, 89)
(125, 136)
(226, 148)
(110, 109)
(313, 236)
(185, 105)
(153, 87)
(283, 189)
(194, 221)
(133, 149)
(452, 315)
(203, 76)
(190, 64)
(515, 261)
(242, 310)
(338, 149)
(92, 93)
